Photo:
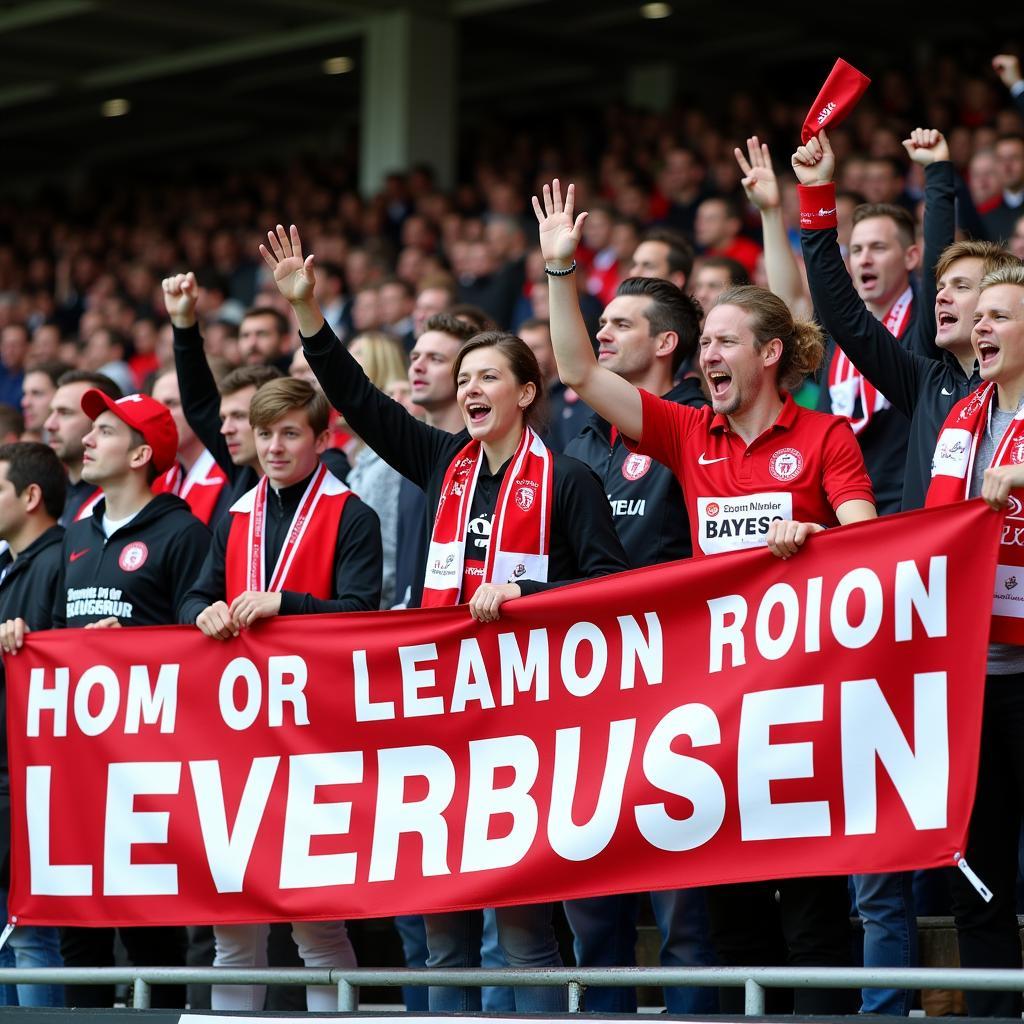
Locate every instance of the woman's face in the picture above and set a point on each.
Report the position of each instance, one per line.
(491, 399)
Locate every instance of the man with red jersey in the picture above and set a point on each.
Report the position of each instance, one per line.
(755, 469)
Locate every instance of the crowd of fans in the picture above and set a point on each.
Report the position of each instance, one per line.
(176, 291)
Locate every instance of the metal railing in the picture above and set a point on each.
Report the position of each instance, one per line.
(753, 980)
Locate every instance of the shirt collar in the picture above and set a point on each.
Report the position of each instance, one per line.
(785, 420)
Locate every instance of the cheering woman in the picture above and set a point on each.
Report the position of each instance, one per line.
(509, 517)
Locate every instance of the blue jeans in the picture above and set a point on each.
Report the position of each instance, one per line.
(411, 931)
(885, 903)
(604, 929)
(526, 937)
(30, 946)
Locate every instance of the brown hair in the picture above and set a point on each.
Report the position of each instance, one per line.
(445, 323)
(901, 217)
(993, 256)
(281, 396)
(803, 344)
(100, 381)
(521, 361)
(247, 377)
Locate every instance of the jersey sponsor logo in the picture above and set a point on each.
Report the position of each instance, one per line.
(785, 464)
(730, 524)
(635, 466)
(946, 391)
(703, 460)
(133, 556)
(952, 453)
(525, 497)
(76, 555)
(627, 506)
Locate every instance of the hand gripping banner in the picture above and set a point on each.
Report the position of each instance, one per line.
(723, 719)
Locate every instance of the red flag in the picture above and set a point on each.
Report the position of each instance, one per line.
(839, 95)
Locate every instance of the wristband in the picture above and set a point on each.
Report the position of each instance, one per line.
(817, 206)
(560, 273)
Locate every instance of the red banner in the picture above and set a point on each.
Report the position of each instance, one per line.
(724, 719)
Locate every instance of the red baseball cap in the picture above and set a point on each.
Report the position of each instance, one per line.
(152, 419)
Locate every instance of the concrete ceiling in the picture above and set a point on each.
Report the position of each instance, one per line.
(213, 77)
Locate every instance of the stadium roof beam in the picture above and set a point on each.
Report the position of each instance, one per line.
(218, 54)
(42, 12)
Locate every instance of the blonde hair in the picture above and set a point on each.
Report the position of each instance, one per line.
(1010, 273)
(803, 344)
(384, 358)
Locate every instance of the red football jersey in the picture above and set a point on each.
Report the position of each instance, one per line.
(803, 467)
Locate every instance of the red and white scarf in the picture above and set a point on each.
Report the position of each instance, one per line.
(952, 470)
(520, 534)
(305, 562)
(200, 486)
(846, 383)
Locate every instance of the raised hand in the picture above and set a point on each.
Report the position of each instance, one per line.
(180, 296)
(926, 146)
(815, 163)
(759, 180)
(1007, 67)
(559, 233)
(293, 275)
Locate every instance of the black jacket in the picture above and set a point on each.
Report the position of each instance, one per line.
(884, 441)
(28, 591)
(140, 574)
(200, 402)
(357, 560)
(583, 540)
(920, 381)
(75, 497)
(645, 497)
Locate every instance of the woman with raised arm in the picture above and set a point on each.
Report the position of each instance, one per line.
(508, 517)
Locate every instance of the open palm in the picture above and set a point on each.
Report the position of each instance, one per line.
(293, 275)
(559, 233)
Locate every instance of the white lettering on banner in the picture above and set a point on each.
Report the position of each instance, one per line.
(48, 879)
(417, 815)
(471, 683)
(415, 679)
(306, 817)
(910, 596)
(581, 842)
(683, 776)
(518, 674)
(151, 704)
(731, 524)
(760, 761)
(367, 710)
(481, 852)
(131, 828)
(648, 651)
(870, 731)
(397, 816)
(227, 852)
(286, 680)
(578, 634)
(97, 700)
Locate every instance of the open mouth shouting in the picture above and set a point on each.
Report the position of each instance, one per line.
(477, 412)
(718, 382)
(988, 353)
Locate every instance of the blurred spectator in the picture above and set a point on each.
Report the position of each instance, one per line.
(14, 342)
(37, 393)
(717, 233)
